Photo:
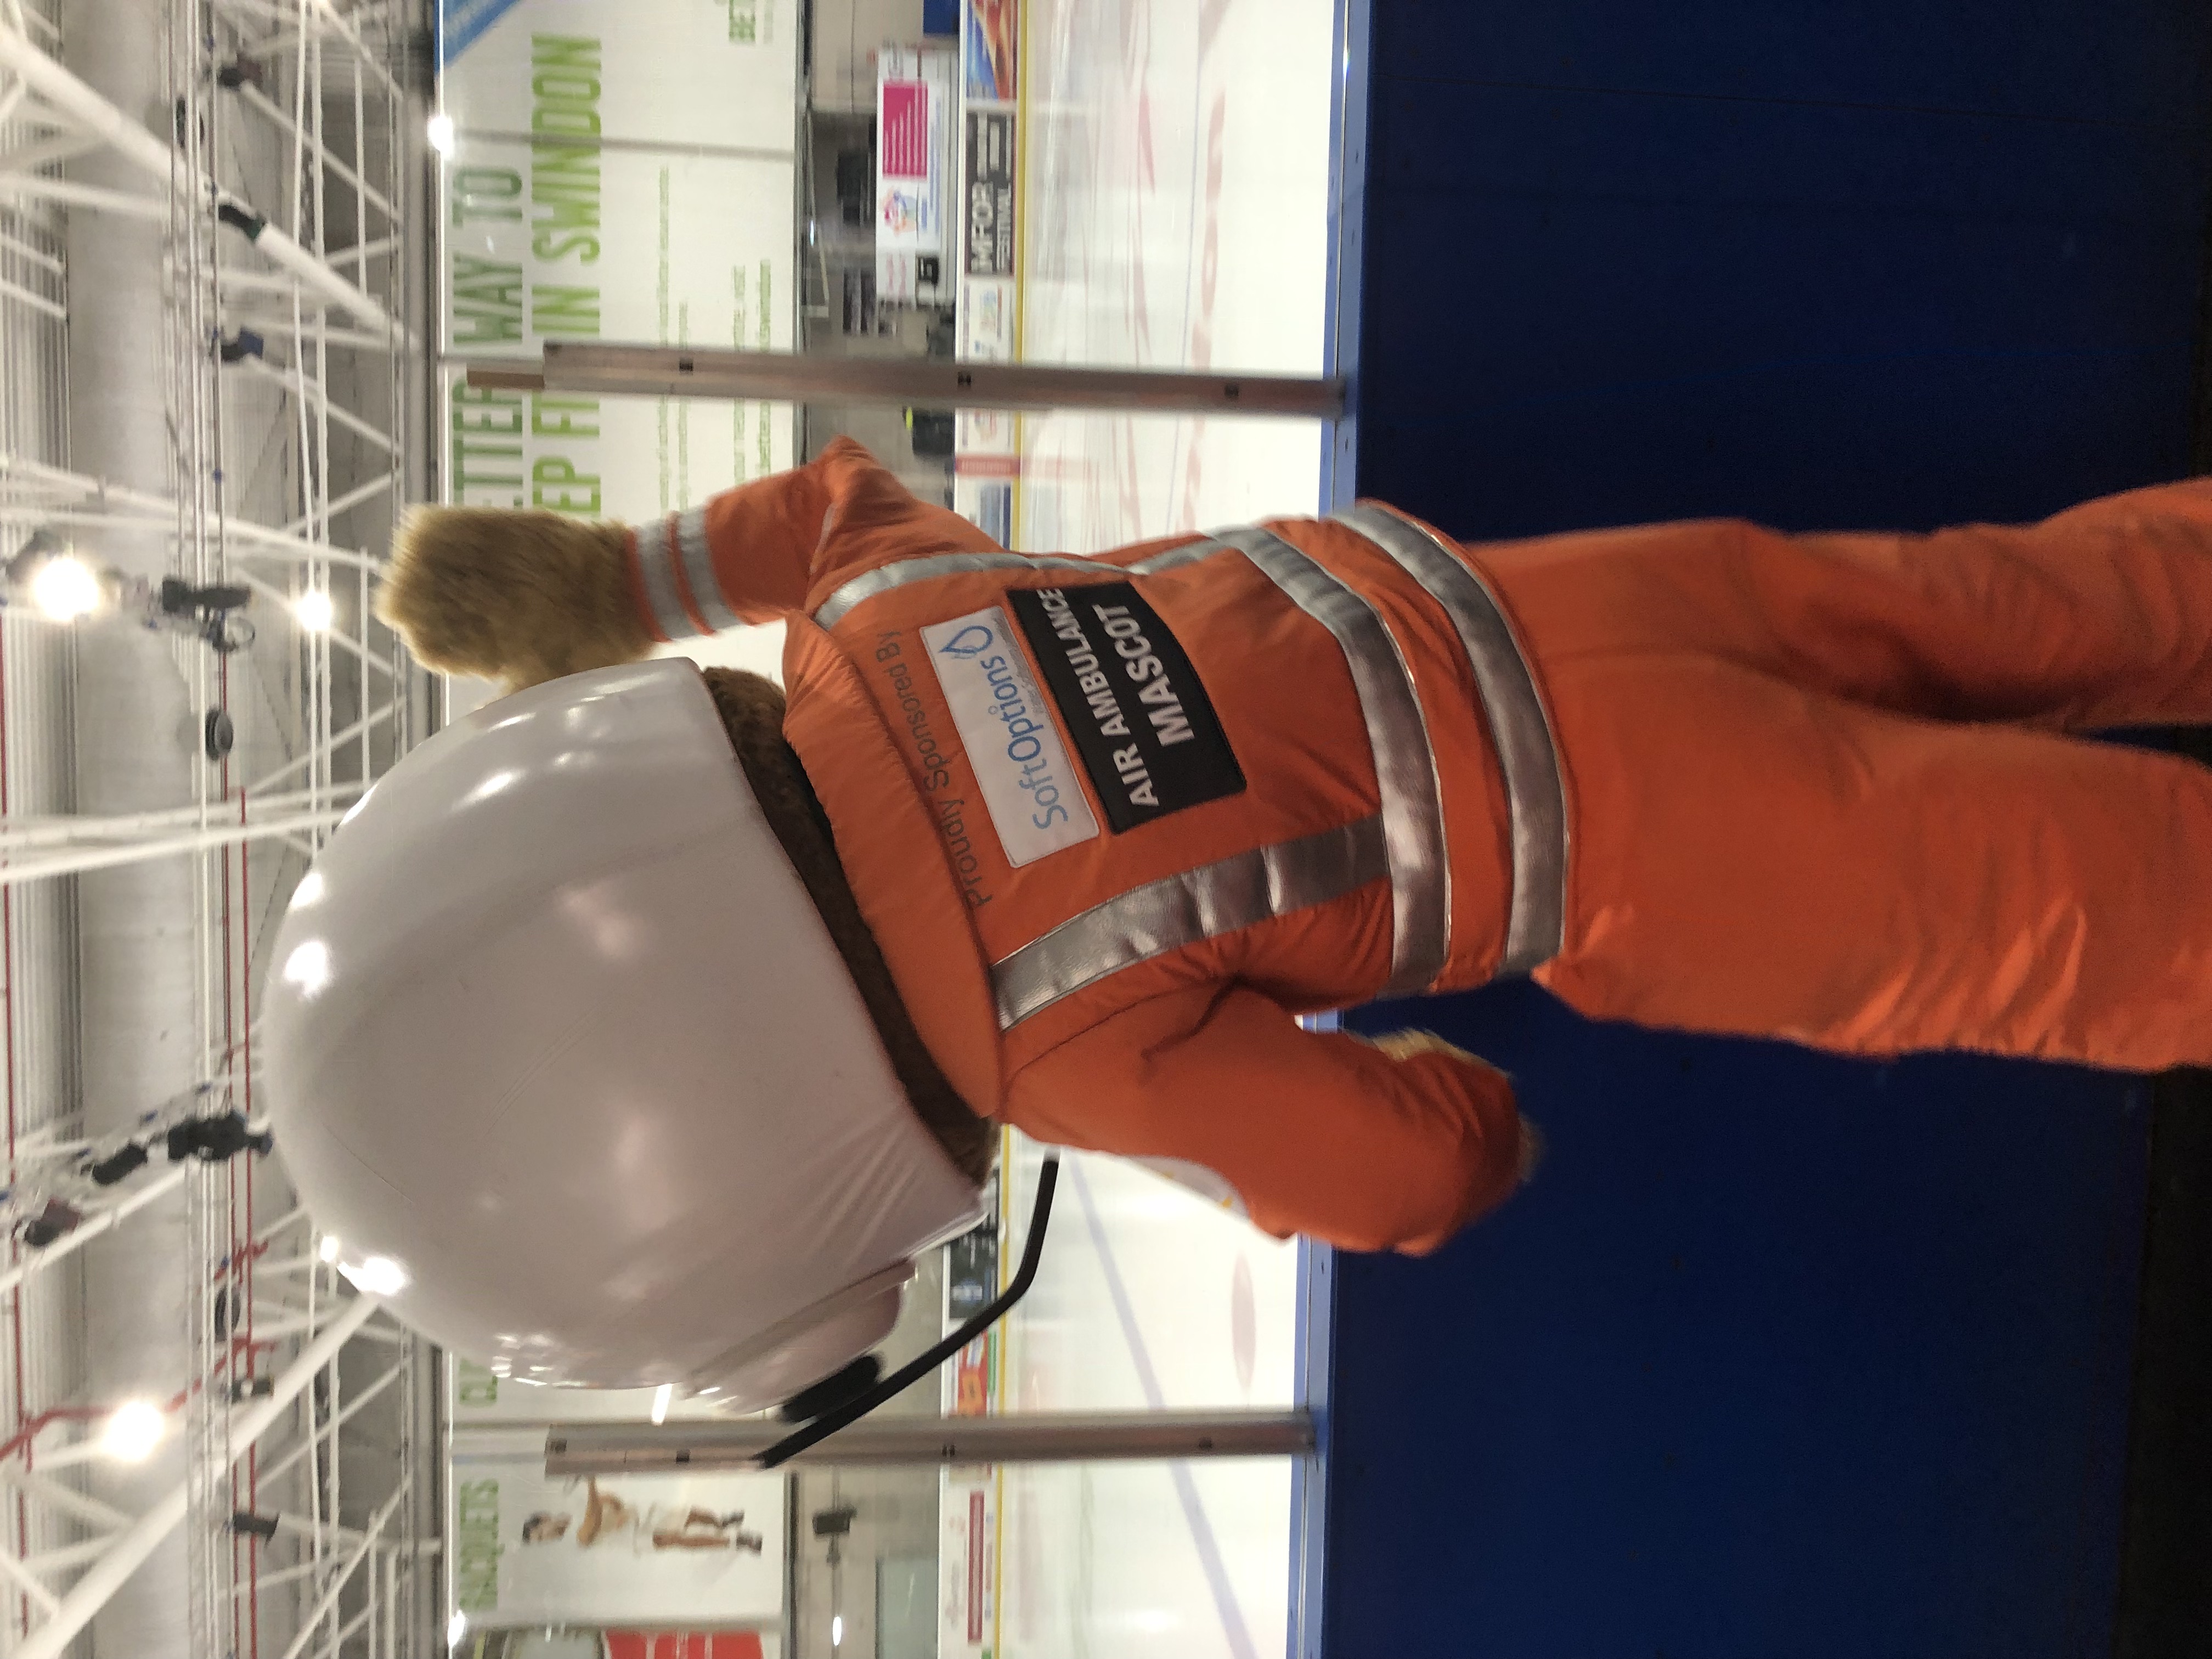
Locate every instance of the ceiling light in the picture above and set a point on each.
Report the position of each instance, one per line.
(133, 1431)
(314, 611)
(66, 589)
(441, 134)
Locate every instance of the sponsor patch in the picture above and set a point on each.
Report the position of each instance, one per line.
(1143, 724)
(1028, 785)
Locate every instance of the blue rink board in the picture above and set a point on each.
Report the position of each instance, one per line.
(1779, 1356)
(1784, 1357)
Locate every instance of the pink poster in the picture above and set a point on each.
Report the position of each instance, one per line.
(905, 136)
(672, 1645)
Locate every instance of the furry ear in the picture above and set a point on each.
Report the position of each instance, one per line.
(518, 597)
(1406, 1045)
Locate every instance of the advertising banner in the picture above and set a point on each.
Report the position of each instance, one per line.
(716, 271)
(913, 112)
(971, 1279)
(687, 1550)
(983, 433)
(693, 1644)
(563, 222)
(986, 319)
(987, 468)
(698, 74)
(969, 1496)
(624, 1644)
(985, 465)
(988, 167)
(986, 502)
(967, 1561)
(987, 50)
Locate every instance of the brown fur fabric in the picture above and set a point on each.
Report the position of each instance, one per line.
(515, 597)
(752, 713)
(1406, 1045)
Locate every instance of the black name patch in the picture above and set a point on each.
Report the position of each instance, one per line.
(1142, 723)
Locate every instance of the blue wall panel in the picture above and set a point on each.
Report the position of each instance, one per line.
(1591, 305)
(1783, 1356)
(1779, 1356)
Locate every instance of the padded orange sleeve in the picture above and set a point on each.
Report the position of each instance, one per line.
(772, 540)
(1319, 1134)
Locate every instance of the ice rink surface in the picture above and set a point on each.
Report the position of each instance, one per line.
(1176, 186)
(1147, 1299)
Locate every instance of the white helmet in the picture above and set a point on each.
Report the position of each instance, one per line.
(561, 1053)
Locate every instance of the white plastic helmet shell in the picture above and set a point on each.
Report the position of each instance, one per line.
(561, 1053)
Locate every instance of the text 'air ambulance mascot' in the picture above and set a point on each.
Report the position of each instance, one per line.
(1086, 834)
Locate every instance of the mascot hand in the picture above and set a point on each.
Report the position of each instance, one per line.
(1406, 1045)
(515, 597)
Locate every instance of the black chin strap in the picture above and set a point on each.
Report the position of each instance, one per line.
(854, 1410)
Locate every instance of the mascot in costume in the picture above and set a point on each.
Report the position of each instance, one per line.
(643, 1027)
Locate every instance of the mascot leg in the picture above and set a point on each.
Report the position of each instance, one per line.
(1811, 799)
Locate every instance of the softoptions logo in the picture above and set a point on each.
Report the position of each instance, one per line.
(971, 642)
(1035, 803)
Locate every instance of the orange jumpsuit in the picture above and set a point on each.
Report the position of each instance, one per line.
(1116, 821)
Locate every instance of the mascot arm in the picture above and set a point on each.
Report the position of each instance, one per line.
(1394, 1145)
(521, 597)
(775, 541)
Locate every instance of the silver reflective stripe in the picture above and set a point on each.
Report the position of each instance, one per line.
(1175, 557)
(1404, 766)
(882, 580)
(1205, 903)
(1519, 728)
(652, 561)
(691, 534)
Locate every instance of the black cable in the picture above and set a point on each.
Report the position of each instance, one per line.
(843, 1416)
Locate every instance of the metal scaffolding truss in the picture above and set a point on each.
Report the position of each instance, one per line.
(296, 1417)
(73, 118)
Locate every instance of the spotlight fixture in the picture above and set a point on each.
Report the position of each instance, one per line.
(64, 586)
(214, 613)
